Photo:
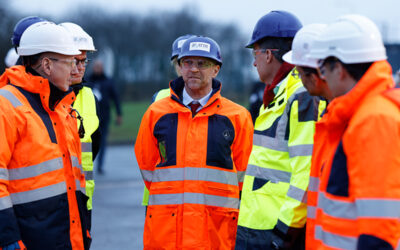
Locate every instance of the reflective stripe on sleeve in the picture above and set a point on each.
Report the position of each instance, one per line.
(10, 97)
(313, 184)
(75, 163)
(195, 174)
(297, 194)
(241, 175)
(311, 212)
(147, 175)
(79, 188)
(86, 147)
(301, 150)
(193, 198)
(35, 170)
(335, 240)
(268, 173)
(38, 194)
(373, 208)
(270, 142)
(5, 202)
(3, 174)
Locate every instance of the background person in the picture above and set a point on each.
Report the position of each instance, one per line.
(299, 56)
(105, 92)
(192, 149)
(86, 104)
(307, 67)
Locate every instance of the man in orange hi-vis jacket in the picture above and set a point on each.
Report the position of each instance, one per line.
(192, 149)
(42, 185)
(357, 142)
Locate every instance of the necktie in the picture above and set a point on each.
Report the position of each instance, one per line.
(194, 106)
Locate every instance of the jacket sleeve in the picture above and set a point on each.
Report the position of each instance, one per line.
(243, 144)
(372, 148)
(8, 135)
(146, 149)
(304, 112)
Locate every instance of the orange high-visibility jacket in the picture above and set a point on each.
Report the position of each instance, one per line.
(42, 186)
(356, 168)
(194, 169)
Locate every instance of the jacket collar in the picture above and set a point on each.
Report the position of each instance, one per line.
(377, 79)
(31, 81)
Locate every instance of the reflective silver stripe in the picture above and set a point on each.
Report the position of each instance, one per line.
(88, 175)
(75, 163)
(86, 147)
(38, 194)
(193, 198)
(3, 174)
(313, 185)
(301, 150)
(241, 175)
(270, 142)
(297, 194)
(35, 170)
(5, 202)
(195, 174)
(311, 212)
(10, 97)
(374, 208)
(382, 208)
(273, 175)
(147, 175)
(335, 240)
(78, 186)
(337, 208)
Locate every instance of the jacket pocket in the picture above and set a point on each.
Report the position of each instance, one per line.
(222, 224)
(160, 227)
(274, 188)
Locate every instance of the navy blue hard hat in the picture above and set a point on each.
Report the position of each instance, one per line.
(177, 44)
(201, 46)
(277, 23)
(21, 26)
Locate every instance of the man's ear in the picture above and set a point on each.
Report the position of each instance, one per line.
(216, 69)
(46, 65)
(270, 56)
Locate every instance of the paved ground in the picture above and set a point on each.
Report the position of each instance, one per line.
(118, 216)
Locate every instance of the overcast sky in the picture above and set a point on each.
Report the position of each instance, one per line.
(244, 13)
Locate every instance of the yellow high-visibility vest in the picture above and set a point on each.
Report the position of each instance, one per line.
(277, 175)
(85, 104)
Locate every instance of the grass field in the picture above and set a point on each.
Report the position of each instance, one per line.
(132, 115)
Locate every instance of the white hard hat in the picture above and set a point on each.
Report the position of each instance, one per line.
(11, 58)
(82, 39)
(301, 46)
(351, 39)
(46, 37)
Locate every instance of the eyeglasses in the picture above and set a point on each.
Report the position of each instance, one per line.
(254, 52)
(200, 64)
(71, 63)
(83, 62)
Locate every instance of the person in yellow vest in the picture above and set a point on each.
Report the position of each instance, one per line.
(176, 48)
(273, 206)
(86, 105)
